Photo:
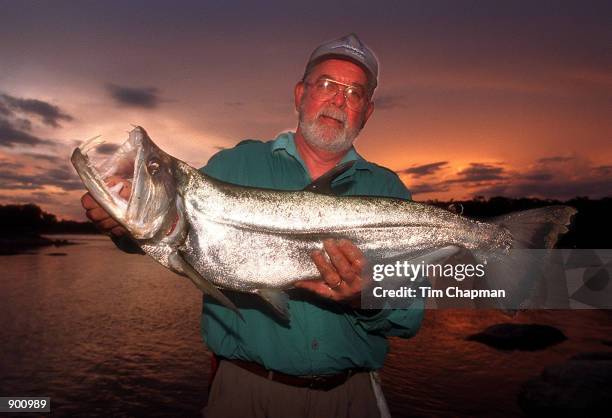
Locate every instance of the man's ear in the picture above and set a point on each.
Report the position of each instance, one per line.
(298, 92)
(368, 112)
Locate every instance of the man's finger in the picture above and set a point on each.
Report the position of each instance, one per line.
(92, 218)
(97, 214)
(112, 180)
(126, 191)
(118, 231)
(339, 260)
(328, 273)
(88, 201)
(107, 224)
(353, 254)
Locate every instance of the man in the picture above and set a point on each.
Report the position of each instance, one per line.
(317, 364)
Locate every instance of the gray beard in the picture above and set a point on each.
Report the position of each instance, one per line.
(325, 137)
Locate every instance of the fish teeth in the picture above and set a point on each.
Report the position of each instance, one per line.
(86, 146)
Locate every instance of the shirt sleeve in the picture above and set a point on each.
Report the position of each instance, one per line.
(218, 166)
(397, 189)
(403, 323)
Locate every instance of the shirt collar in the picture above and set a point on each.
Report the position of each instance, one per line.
(286, 141)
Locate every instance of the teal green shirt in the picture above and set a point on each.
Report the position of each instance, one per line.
(322, 337)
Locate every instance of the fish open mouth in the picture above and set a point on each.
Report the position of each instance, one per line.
(105, 178)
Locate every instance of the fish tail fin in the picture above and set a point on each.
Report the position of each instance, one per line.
(518, 271)
(537, 228)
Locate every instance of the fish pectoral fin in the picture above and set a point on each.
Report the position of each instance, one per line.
(322, 185)
(178, 260)
(277, 299)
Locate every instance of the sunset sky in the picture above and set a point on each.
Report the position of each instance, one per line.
(510, 98)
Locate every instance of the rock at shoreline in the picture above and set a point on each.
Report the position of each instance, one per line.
(580, 387)
(528, 337)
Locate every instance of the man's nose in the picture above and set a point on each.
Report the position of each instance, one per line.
(339, 100)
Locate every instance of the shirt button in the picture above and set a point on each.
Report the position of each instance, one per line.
(315, 344)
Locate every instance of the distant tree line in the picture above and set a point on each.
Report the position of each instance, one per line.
(31, 220)
(591, 227)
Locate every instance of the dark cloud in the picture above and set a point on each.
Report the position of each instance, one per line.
(15, 129)
(428, 188)
(61, 174)
(538, 176)
(22, 124)
(564, 180)
(386, 102)
(559, 182)
(39, 197)
(107, 149)
(481, 172)
(425, 169)
(10, 165)
(604, 170)
(475, 176)
(50, 114)
(50, 158)
(10, 180)
(11, 135)
(555, 159)
(4, 110)
(234, 104)
(145, 97)
(62, 177)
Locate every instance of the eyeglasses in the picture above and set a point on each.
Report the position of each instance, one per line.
(326, 89)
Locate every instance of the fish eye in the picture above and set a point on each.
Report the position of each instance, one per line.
(153, 167)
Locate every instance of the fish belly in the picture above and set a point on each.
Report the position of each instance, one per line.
(245, 259)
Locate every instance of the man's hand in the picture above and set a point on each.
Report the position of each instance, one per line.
(99, 216)
(342, 275)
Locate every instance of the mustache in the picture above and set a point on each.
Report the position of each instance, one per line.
(332, 112)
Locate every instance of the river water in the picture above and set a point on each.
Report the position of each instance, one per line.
(105, 333)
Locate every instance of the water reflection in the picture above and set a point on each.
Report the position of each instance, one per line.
(106, 333)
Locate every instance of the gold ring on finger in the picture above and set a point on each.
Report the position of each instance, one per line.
(337, 285)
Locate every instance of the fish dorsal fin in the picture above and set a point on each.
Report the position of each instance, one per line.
(322, 185)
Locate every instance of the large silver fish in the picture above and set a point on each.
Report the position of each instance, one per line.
(259, 241)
